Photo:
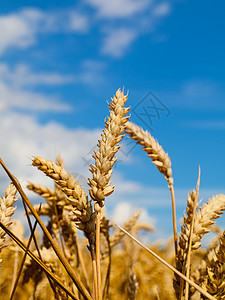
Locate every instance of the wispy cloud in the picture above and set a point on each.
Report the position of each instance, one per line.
(24, 138)
(118, 8)
(197, 94)
(125, 21)
(15, 32)
(161, 10)
(22, 75)
(117, 41)
(21, 29)
(204, 124)
(17, 98)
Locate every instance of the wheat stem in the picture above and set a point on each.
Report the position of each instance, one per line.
(174, 216)
(95, 283)
(98, 263)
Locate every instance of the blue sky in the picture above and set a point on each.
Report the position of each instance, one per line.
(61, 61)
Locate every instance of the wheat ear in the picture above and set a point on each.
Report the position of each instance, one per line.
(211, 274)
(132, 287)
(108, 146)
(82, 209)
(203, 220)
(159, 158)
(6, 211)
(100, 184)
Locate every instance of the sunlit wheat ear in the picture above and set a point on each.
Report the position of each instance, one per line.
(205, 218)
(159, 158)
(6, 211)
(82, 209)
(107, 148)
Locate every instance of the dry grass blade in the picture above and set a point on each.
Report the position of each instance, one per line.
(65, 263)
(198, 288)
(38, 261)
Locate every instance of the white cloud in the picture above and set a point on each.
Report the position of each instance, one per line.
(162, 9)
(124, 210)
(20, 30)
(78, 22)
(118, 8)
(117, 41)
(15, 32)
(204, 124)
(24, 138)
(17, 86)
(23, 28)
(22, 75)
(91, 72)
(17, 98)
(196, 94)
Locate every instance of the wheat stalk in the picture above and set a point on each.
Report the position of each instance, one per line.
(100, 184)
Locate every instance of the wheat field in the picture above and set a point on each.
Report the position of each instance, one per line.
(81, 254)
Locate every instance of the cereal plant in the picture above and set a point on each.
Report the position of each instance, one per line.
(108, 261)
